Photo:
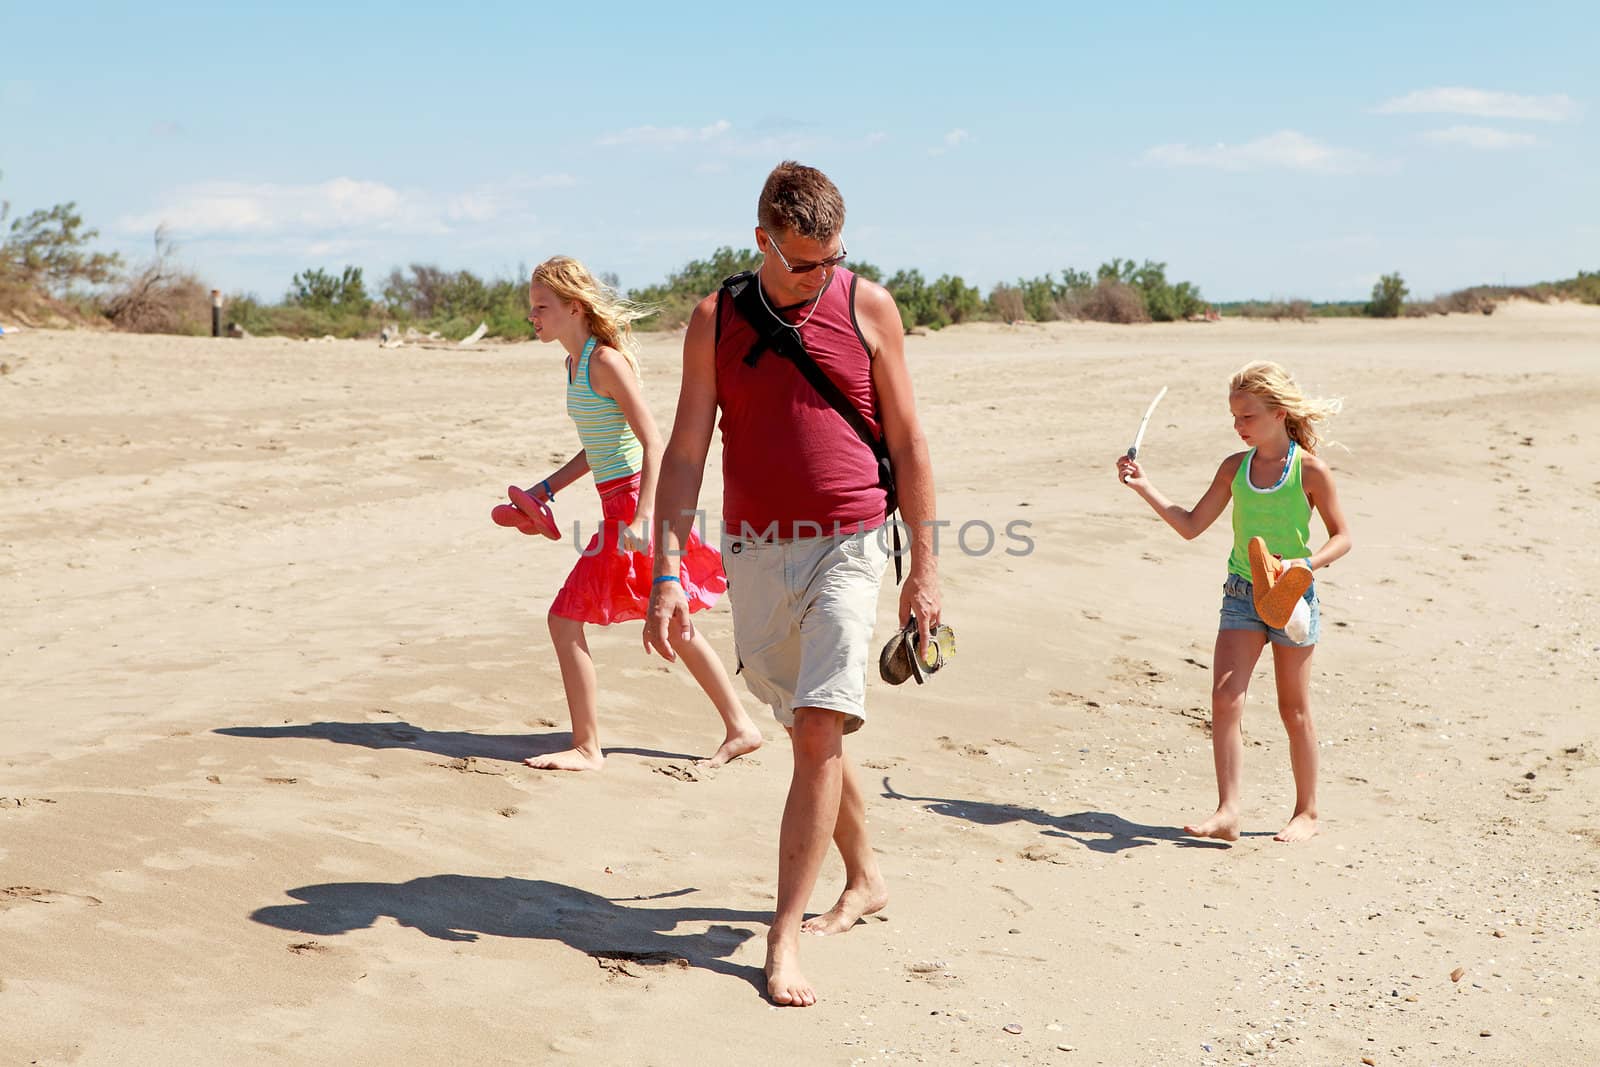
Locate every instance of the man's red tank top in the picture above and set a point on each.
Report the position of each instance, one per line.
(791, 465)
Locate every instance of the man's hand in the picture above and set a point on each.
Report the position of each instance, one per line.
(668, 615)
(920, 594)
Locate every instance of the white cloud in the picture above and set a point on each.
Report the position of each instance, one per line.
(1484, 137)
(876, 138)
(954, 139)
(338, 205)
(1483, 103)
(1286, 149)
(667, 135)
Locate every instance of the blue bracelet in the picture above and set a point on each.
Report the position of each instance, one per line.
(549, 493)
(658, 579)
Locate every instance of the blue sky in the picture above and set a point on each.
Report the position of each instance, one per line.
(1260, 150)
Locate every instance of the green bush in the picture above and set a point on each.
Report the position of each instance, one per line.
(48, 250)
(937, 304)
(676, 297)
(321, 291)
(1077, 294)
(1586, 287)
(1388, 297)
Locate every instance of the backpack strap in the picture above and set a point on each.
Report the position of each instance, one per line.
(783, 339)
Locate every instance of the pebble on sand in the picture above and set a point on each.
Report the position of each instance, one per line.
(1012, 1028)
(1455, 975)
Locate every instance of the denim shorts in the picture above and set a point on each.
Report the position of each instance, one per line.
(1239, 613)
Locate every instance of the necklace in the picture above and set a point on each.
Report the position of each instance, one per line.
(762, 293)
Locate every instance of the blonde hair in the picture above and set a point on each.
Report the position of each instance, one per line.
(1302, 416)
(609, 314)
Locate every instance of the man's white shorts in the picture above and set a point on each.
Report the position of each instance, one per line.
(803, 612)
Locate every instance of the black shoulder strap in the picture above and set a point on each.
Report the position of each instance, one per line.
(782, 338)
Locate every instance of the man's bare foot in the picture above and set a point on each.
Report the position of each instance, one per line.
(1223, 826)
(1302, 827)
(786, 986)
(735, 746)
(573, 759)
(854, 902)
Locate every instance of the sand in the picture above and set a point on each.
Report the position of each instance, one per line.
(269, 670)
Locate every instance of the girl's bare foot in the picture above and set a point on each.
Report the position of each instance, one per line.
(854, 902)
(1223, 826)
(573, 759)
(786, 986)
(1302, 827)
(736, 745)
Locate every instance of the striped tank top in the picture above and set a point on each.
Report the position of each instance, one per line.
(608, 441)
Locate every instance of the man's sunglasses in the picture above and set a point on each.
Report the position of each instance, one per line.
(806, 268)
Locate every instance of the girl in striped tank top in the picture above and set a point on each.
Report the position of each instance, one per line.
(1274, 486)
(622, 449)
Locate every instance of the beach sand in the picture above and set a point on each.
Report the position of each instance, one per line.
(269, 671)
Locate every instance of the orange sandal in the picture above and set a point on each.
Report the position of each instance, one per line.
(1275, 588)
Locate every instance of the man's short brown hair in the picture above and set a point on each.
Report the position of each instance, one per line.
(802, 201)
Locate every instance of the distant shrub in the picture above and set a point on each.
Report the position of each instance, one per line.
(48, 250)
(160, 298)
(677, 296)
(1388, 297)
(936, 304)
(1467, 301)
(344, 294)
(1276, 310)
(1007, 302)
(1109, 301)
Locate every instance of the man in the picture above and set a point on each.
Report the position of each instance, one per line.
(804, 540)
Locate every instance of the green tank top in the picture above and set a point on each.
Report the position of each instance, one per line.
(1281, 514)
(608, 441)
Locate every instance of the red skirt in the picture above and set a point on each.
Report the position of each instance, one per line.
(610, 585)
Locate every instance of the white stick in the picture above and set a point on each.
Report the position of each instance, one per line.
(1133, 452)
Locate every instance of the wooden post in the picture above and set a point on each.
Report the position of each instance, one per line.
(216, 313)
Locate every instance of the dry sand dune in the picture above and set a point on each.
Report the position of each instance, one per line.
(269, 670)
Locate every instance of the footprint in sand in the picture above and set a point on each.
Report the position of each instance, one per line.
(974, 751)
(16, 895)
(621, 962)
(1041, 854)
(467, 765)
(685, 772)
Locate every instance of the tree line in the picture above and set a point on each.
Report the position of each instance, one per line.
(46, 256)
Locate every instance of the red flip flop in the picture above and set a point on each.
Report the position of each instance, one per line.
(536, 511)
(506, 515)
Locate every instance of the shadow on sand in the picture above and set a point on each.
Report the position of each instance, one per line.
(457, 744)
(455, 907)
(1097, 830)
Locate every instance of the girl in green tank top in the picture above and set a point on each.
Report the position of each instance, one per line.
(1274, 486)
